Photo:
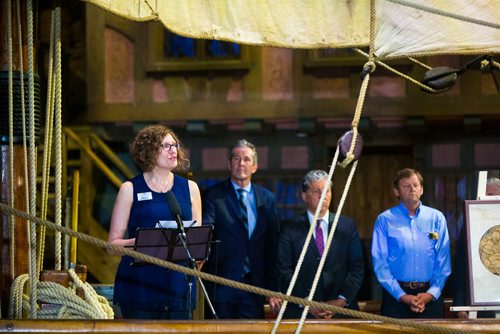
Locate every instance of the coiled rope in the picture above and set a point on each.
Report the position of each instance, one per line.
(64, 302)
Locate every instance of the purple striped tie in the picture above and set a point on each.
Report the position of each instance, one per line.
(320, 244)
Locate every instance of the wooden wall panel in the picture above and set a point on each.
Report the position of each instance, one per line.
(371, 189)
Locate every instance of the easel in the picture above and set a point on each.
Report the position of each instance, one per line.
(472, 310)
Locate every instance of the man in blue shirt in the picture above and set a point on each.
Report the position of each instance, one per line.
(411, 253)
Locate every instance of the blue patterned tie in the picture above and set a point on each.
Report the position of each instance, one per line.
(244, 219)
(243, 208)
(320, 244)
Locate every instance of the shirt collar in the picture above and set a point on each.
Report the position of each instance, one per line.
(405, 210)
(248, 188)
(310, 216)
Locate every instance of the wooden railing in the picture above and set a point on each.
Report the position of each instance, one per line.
(92, 148)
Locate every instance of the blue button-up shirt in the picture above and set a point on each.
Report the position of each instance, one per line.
(411, 249)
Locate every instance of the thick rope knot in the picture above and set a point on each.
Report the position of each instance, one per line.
(347, 161)
(368, 67)
(484, 65)
(487, 65)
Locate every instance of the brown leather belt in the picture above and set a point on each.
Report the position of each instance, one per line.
(414, 285)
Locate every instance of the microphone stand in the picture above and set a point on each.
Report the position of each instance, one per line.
(182, 236)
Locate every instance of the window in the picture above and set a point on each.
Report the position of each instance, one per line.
(170, 52)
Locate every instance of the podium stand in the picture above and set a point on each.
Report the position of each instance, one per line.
(165, 243)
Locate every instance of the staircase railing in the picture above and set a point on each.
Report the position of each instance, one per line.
(118, 163)
(92, 148)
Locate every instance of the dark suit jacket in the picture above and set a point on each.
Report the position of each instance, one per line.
(343, 270)
(221, 208)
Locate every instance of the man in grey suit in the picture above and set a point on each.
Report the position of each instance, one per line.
(343, 271)
(246, 224)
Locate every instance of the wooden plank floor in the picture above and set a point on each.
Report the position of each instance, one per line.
(232, 326)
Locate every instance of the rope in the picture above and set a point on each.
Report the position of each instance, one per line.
(17, 297)
(306, 244)
(154, 12)
(98, 302)
(224, 281)
(32, 205)
(58, 135)
(23, 105)
(416, 61)
(64, 303)
(485, 64)
(328, 245)
(47, 142)
(404, 76)
(12, 222)
(368, 68)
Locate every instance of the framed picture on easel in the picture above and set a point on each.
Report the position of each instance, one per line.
(482, 225)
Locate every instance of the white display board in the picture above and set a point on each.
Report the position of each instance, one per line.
(483, 241)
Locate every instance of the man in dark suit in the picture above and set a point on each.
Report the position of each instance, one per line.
(245, 222)
(343, 271)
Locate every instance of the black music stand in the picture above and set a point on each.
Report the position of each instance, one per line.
(165, 243)
(172, 245)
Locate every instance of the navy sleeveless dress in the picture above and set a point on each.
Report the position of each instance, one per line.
(149, 287)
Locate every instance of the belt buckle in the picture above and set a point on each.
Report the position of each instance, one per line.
(413, 285)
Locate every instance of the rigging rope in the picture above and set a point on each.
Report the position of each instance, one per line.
(58, 135)
(368, 68)
(306, 244)
(49, 121)
(32, 205)
(12, 222)
(23, 104)
(220, 280)
(327, 246)
(36, 288)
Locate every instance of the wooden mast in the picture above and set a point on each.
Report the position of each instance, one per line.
(17, 259)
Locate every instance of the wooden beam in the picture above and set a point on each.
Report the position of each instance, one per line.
(234, 326)
(305, 108)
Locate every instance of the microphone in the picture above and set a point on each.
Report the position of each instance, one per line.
(175, 208)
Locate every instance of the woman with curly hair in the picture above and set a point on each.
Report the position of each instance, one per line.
(148, 291)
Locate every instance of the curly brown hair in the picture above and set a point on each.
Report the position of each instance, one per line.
(146, 147)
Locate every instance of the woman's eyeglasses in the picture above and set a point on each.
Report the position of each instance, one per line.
(168, 147)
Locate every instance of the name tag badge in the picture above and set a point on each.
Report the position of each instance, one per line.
(144, 196)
